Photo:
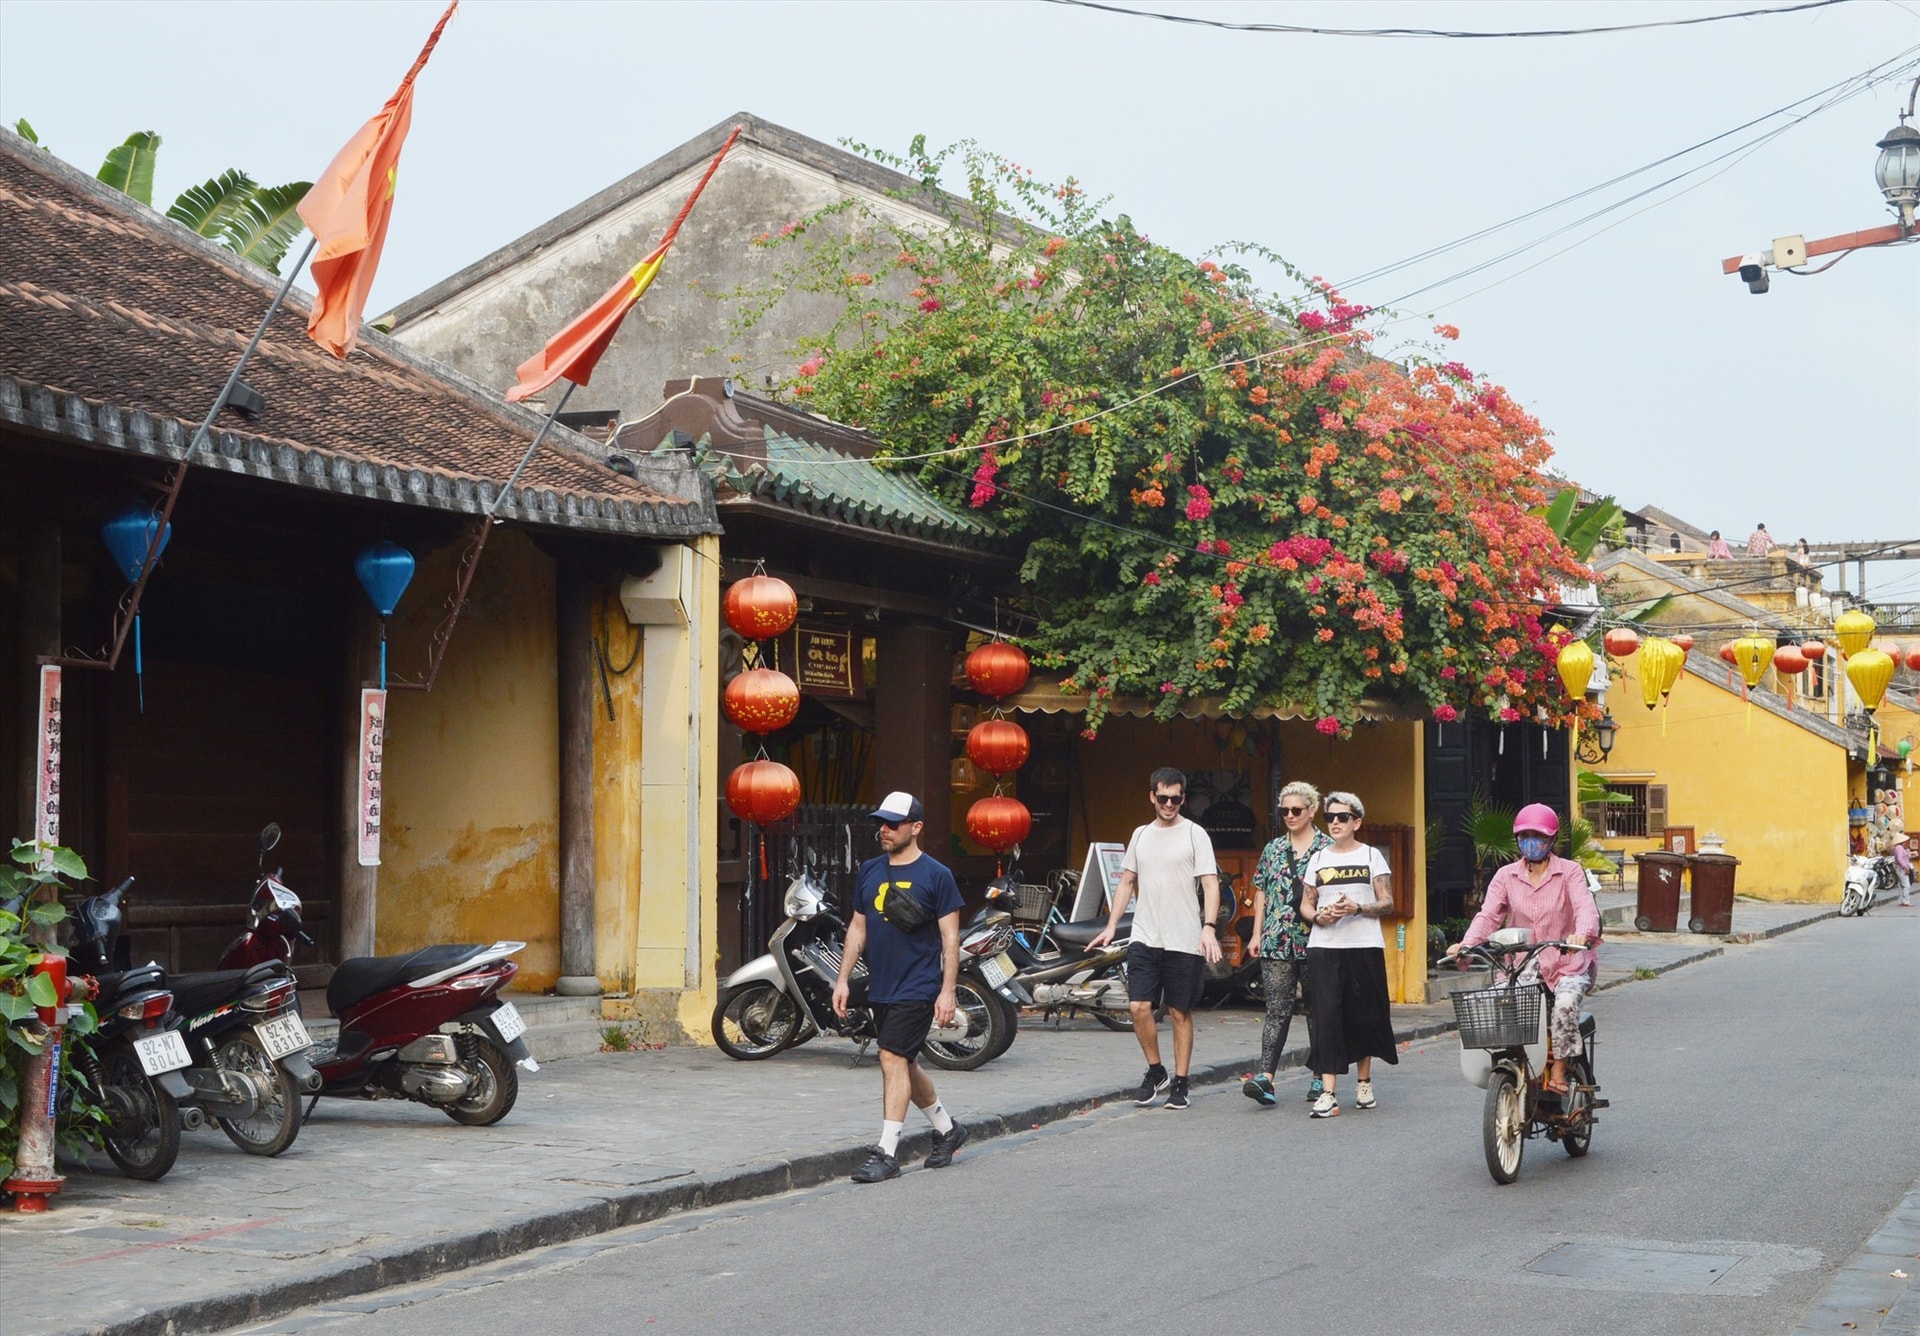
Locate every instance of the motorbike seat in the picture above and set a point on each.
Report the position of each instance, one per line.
(125, 983)
(1586, 1025)
(1075, 936)
(360, 978)
(203, 991)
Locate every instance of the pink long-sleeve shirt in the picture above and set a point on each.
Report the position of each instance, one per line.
(1561, 906)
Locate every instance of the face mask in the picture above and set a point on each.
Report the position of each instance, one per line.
(1535, 848)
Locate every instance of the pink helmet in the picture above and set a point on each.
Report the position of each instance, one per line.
(1537, 817)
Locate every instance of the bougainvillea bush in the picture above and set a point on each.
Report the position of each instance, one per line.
(1219, 492)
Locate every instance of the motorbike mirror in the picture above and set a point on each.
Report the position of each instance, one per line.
(269, 837)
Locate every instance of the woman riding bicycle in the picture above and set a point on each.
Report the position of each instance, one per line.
(1550, 896)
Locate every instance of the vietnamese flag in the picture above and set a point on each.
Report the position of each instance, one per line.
(348, 208)
(575, 350)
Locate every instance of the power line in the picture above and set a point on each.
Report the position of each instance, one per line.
(1304, 30)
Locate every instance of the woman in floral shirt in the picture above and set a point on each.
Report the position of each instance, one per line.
(1277, 886)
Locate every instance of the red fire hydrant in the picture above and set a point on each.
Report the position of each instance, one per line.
(34, 1180)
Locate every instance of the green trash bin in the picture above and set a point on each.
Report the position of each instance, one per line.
(1711, 907)
(1657, 908)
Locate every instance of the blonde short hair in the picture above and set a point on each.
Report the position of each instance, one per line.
(1351, 800)
(1299, 788)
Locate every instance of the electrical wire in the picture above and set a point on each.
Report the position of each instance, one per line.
(1305, 30)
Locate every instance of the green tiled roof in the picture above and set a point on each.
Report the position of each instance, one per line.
(826, 482)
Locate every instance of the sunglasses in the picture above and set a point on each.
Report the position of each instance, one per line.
(894, 825)
(1343, 816)
(1293, 811)
(1163, 799)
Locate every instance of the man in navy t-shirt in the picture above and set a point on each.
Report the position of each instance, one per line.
(910, 977)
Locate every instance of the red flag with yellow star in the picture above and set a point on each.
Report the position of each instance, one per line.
(575, 350)
(348, 208)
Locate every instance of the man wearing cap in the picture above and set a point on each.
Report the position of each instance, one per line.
(911, 974)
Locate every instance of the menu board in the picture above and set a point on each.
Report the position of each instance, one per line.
(824, 661)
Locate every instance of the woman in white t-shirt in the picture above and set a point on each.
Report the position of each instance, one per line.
(1349, 890)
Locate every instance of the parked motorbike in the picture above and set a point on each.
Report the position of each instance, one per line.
(1866, 878)
(785, 997)
(1505, 1048)
(241, 1029)
(133, 1064)
(1052, 961)
(394, 1014)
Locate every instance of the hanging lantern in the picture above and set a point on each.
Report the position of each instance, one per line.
(385, 570)
(1905, 748)
(998, 669)
(1789, 661)
(1815, 650)
(1870, 670)
(763, 791)
(999, 822)
(1726, 651)
(1685, 642)
(761, 700)
(1622, 641)
(998, 746)
(760, 606)
(1651, 652)
(128, 535)
(1854, 630)
(1913, 657)
(1752, 655)
(1575, 665)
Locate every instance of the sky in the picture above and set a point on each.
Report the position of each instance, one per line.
(1661, 380)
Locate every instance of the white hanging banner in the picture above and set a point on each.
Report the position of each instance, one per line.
(46, 771)
(373, 741)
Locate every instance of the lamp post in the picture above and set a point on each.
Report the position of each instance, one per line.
(1604, 732)
(1897, 170)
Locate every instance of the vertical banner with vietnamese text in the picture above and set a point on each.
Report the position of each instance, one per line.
(46, 771)
(373, 741)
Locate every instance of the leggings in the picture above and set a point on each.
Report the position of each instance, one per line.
(1564, 1025)
(1278, 980)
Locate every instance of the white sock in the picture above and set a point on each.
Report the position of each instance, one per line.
(890, 1136)
(937, 1115)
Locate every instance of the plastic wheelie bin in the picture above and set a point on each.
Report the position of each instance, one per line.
(1657, 908)
(1711, 907)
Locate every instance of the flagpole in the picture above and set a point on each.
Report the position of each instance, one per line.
(527, 458)
(130, 610)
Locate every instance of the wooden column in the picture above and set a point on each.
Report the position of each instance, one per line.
(913, 710)
(578, 700)
(356, 894)
(39, 557)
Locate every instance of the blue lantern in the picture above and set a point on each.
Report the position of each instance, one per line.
(385, 569)
(128, 535)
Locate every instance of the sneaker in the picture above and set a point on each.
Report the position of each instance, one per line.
(1316, 1089)
(1326, 1106)
(1178, 1099)
(944, 1145)
(1363, 1095)
(1152, 1087)
(879, 1167)
(1259, 1089)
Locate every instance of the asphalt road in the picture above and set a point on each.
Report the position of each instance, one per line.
(1762, 1126)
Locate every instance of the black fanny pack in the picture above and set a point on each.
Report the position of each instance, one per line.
(900, 907)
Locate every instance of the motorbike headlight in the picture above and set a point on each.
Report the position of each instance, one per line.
(803, 901)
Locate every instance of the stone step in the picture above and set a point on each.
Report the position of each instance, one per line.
(557, 1027)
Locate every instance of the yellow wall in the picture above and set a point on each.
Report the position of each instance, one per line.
(469, 850)
(1774, 791)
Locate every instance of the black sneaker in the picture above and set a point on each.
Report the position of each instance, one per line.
(879, 1167)
(945, 1145)
(1178, 1099)
(1152, 1086)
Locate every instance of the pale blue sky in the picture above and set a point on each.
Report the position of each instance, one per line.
(1663, 381)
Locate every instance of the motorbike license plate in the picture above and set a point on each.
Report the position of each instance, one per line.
(162, 1053)
(282, 1035)
(507, 1021)
(998, 969)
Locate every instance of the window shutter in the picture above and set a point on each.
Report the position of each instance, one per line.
(1656, 810)
(1595, 815)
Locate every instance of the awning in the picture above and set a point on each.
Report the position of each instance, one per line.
(1043, 697)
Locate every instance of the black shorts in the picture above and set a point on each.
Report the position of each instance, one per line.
(1162, 977)
(903, 1026)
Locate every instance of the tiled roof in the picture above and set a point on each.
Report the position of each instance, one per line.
(826, 482)
(118, 327)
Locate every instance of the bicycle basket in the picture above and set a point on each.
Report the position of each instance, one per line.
(1032, 902)
(1498, 1017)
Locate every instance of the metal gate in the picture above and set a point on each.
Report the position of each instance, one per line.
(831, 838)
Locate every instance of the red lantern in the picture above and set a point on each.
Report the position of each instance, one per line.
(1815, 651)
(761, 700)
(1622, 641)
(1685, 642)
(763, 791)
(1726, 651)
(998, 669)
(999, 822)
(1789, 661)
(1913, 657)
(760, 606)
(998, 746)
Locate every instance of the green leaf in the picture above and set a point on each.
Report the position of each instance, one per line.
(129, 168)
(25, 131)
(68, 863)
(48, 914)
(1585, 529)
(41, 991)
(14, 1006)
(210, 207)
(1560, 511)
(266, 224)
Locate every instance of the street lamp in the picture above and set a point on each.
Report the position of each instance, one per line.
(1897, 171)
(1604, 732)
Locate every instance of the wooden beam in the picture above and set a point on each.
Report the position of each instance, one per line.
(851, 595)
(1846, 241)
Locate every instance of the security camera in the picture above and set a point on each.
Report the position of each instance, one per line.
(1753, 272)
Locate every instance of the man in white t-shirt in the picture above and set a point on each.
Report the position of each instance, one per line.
(1173, 937)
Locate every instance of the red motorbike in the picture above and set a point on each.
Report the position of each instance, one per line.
(427, 1026)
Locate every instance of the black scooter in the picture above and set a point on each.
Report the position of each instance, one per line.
(1054, 964)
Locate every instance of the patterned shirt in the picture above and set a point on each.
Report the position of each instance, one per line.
(1279, 875)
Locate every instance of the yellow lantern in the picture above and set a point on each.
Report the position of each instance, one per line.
(1870, 670)
(1751, 656)
(1576, 668)
(1660, 663)
(1854, 630)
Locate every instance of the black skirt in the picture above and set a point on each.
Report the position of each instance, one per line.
(1352, 1019)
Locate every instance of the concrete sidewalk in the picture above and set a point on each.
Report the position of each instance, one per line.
(375, 1195)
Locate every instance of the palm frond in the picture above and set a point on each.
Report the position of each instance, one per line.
(1583, 849)
(1489, 826)
(129, 167)
(207, 208)
(267, 224)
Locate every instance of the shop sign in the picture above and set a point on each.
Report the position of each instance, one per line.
(824, 660)
(373, 742)
(46, 770)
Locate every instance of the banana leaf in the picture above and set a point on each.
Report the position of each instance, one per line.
(1560, 510)
(129, 168)
(208, 208)
(266, 224)
(1585, 529)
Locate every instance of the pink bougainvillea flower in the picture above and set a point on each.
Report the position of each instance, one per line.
(1328, 725)
(1201, 505)
(1446, 714)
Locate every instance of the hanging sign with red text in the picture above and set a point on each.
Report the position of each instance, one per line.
(46, 771)
(373, 741)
